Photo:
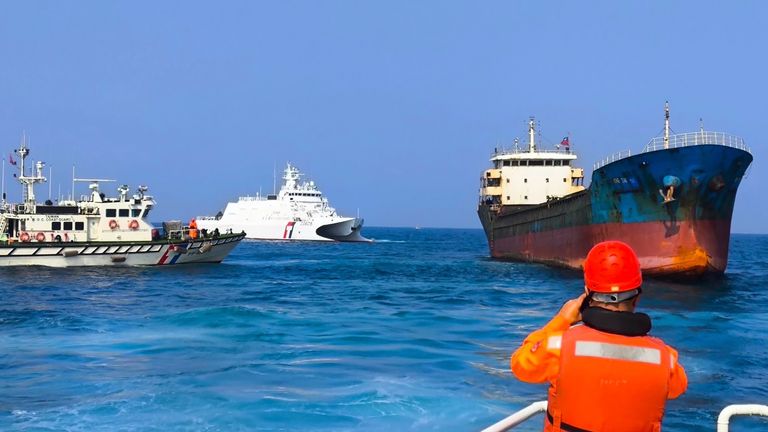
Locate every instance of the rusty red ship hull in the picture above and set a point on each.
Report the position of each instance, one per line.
(688, 236)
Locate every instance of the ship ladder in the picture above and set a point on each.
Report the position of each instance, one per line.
(535, 408)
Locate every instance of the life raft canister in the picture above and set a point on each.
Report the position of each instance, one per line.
(24, 237)
(40, 237)
(113, 224)
(134, 224)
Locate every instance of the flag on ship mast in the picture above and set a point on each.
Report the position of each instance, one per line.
(565, 143)
(10, 159)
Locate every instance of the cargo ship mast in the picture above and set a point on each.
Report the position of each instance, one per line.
(666, 125)
(531, 135)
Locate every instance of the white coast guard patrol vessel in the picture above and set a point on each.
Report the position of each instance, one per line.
(96, 230)
(298, 212)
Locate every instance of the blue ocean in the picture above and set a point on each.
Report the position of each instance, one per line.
(411, 332)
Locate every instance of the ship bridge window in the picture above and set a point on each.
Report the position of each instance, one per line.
(536, 163)
(79, 226)
(549, 163)
(123, 212)
(506, 163)
(135, 213)
(515, 163)
(55, 226)
(111, 213)
(146, 212)
(68, 226)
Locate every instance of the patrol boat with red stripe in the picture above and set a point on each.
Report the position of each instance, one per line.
(672, 202)
(298, 212)
(96, 230)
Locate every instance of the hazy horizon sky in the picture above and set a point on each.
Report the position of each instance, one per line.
(392, 108)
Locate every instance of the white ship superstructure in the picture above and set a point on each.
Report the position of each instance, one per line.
(298, 212)
(95, 230)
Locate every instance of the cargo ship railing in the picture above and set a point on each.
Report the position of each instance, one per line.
(612, 158)
(681, 140)
(508, 151)
(697, 138)
(723, 420)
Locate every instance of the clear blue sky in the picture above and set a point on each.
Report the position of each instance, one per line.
(392, 107)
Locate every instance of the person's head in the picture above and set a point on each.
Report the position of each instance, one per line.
(612, 276)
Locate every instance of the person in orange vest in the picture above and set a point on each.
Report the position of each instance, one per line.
(193, 229)
(605, 373)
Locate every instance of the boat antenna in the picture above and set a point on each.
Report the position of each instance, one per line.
(2, 188)
(72, 192)
(701, 125)
(666, 124)
(50, 181)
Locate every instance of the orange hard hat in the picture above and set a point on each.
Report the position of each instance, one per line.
(612, 267)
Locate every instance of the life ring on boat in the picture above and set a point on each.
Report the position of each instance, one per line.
(113, 224)
(24, 237)
(134, 224)
(40, 237)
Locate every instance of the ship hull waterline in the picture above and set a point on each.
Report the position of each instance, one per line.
(685, 257)
(337, 229)
(157, 253)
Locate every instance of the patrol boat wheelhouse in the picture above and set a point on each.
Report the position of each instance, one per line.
(96, 230)
(298, 212)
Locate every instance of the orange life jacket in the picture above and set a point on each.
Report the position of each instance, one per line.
(609, 382)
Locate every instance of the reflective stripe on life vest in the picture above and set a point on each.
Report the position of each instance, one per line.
(554, 342)
(618, 352)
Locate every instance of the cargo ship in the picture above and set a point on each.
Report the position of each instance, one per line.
(672, 202)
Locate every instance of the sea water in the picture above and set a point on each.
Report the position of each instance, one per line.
(411, 332)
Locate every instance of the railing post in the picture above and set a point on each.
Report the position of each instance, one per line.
(750, 409)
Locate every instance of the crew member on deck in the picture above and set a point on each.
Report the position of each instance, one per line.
(193, 229)
(605, 374)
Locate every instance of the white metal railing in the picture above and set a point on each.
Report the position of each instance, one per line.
(681, 140)
(501, 151)
(518, 417)
(697, 138)
(535, 408)
(612, 158)
(731, 410)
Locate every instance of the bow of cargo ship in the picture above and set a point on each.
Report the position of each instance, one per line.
(672, 203)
